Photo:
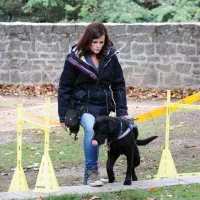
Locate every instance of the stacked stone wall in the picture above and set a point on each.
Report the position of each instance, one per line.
(152, 55)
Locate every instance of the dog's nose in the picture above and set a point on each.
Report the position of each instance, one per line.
(94, 143)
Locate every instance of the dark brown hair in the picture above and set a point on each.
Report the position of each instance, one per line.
(93, 31)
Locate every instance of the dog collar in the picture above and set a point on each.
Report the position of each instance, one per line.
(131, 126)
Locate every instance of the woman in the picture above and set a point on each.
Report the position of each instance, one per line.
(94, 56)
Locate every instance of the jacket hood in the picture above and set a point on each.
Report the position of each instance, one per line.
(84, 66)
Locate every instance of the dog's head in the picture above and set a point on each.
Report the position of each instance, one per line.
(105, 127)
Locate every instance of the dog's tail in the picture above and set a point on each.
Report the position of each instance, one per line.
(146, 141)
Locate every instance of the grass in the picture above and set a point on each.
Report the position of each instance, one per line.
(180, 192)
(62, 150)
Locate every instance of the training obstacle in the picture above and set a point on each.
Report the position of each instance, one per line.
(162, 110)
(19, 182)
(167, 167)
(46, 180)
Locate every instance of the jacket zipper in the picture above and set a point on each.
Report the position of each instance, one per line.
(109, 60)
(92, 66)
(116, 52)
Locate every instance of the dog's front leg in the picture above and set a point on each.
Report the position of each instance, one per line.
(128, 179)
(136, 162)
(110, 164)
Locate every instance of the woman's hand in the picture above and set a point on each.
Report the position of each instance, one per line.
(125, 117)
(63, 126)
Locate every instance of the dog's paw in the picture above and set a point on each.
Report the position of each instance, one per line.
(112, 180)
(127, 182)
(134, 178)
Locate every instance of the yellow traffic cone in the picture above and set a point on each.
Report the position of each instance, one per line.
(46, 180)
(18, 182)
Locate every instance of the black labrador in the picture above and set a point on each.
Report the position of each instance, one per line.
(121, 139)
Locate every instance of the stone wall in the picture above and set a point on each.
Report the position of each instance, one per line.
(161, 56)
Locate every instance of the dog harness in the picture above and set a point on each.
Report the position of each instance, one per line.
(131, 126)
(127, 131)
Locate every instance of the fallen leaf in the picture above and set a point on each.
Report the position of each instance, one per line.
(34, 165)
(179, 125)
(132, 92)
(189, 145)
(40, 198)
(154, 190)
(39, 132)
(4, 174)
(142, 159)
(9, 153)
(148, 176)
(94, 198)
(170, 195)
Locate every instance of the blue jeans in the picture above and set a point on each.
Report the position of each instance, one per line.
(91, 152)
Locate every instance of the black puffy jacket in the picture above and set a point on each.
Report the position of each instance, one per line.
(78, 79)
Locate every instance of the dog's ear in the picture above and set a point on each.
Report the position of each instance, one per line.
(111, 126)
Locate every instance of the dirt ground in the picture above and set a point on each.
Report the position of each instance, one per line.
(184, 145)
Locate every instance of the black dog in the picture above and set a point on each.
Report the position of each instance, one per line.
(121, 139)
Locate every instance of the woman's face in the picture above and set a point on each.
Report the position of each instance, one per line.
(97, 44)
